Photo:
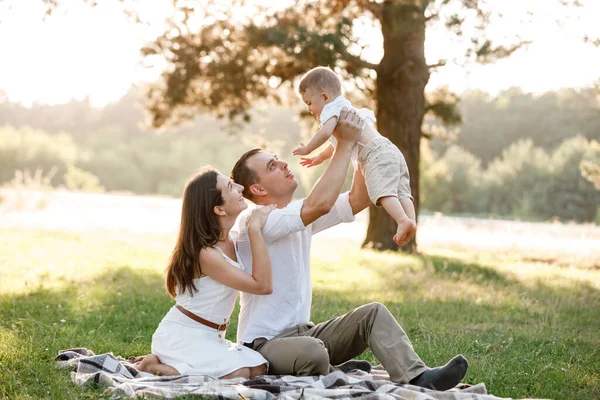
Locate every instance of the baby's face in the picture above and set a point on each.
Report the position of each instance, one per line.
(315, 101)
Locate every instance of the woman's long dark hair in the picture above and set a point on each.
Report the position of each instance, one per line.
(199, 229)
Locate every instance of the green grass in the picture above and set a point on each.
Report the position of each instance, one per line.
(528, 329)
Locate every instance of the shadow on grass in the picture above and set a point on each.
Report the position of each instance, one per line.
(455, 276)
(534, 341)
(552, 353)
(456, 269)
(121, 307)
(523, 339)
(117, 311)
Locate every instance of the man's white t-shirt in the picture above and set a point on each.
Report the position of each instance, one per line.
(288, 243)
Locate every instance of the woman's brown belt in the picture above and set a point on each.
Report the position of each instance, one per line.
(202, 321)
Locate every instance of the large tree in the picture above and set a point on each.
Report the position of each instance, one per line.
(224, 60)
(224, 56)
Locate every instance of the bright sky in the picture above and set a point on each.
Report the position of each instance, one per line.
(82, 51)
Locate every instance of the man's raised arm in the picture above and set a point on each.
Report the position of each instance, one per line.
(324, 194)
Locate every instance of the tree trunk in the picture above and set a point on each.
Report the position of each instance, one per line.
(401, 79)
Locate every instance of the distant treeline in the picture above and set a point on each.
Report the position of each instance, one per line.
(516, 154)
(524, 182)
(491, 124)
(148, 164)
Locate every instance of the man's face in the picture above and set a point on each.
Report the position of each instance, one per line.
(273, 174)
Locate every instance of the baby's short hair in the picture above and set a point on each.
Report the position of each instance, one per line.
(321, 78)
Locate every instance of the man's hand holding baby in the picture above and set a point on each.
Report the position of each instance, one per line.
(348, 128)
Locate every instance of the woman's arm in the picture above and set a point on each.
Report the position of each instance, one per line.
(260, 282)
(261, 262)
(215, 266)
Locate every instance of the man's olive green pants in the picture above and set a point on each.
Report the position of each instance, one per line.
(307, 349)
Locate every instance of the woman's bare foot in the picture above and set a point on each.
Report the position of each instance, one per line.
(247, 372)
(258, 370)
(152, 364)
(238, 373)
(136, 359)
(144, 363)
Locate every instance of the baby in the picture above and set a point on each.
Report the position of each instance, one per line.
(380, 161)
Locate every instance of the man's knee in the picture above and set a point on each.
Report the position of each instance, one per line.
(374, 315)
(374, 309)
(313, 357)
(377, 307)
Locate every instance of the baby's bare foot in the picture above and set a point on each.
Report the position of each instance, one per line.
(405, 232)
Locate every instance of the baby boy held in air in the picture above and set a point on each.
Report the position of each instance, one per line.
(379, 160)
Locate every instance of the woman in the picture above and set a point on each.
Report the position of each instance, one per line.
(204, 276)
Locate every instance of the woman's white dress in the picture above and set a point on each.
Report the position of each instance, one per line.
(195, 349)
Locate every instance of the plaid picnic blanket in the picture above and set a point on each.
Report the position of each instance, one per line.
(123, 380)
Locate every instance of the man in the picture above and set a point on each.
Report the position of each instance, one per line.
(278, 326)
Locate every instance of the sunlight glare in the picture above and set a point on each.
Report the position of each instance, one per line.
(94, 52)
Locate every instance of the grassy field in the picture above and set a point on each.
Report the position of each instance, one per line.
(528, 326)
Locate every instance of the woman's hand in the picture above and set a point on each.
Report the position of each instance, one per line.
(256, 220)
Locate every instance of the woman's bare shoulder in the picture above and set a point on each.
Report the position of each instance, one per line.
(209, 253)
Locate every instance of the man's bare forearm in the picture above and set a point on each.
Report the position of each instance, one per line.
(324, 194)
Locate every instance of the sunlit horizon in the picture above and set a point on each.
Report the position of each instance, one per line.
(84, 52)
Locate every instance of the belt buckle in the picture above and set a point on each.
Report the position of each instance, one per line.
(223, 327)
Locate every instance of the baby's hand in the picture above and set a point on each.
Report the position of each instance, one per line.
(310, 161)
(405, 232)
(300, 150)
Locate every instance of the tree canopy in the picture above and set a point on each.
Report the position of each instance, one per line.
(223, 57)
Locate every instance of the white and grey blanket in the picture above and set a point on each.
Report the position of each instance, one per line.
(121, 379)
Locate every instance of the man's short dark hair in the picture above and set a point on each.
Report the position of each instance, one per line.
(243, 175)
